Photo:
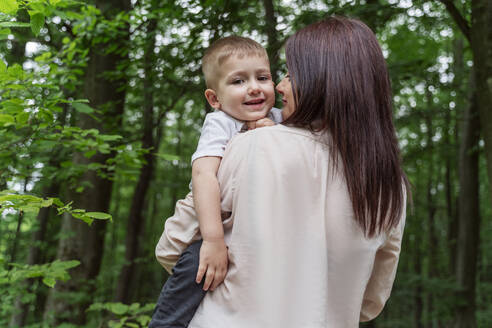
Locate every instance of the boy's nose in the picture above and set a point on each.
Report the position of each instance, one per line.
(254, 87)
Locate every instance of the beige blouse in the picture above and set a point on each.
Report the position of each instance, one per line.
(297, 259)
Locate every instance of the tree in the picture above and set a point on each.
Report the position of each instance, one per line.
(478, 33)
(107, 95)
(136, 220)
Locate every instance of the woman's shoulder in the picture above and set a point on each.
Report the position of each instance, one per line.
(281, 131)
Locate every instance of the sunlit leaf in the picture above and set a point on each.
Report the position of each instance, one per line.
(98, 215)
(37, 22)
(83, 108)
(14, 24)
(118, 308)
(9, 6)
(49, 281)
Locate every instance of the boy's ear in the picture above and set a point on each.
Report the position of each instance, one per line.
(212, 98)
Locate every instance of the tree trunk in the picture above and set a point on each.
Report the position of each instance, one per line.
(419, 302)
(431, 209)
(449, 155)
(86, 242)
(481, 44)
(17, 54)
(469, 219)
(136, 220)
(20, 219)
(19, 318)
(417, 261)
(274, 45)
(479, 34)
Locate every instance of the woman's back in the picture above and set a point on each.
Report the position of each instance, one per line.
(297, 256)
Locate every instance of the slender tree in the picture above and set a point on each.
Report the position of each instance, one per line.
(478, 32)
(136, 220)
(469, 219)
(86, 242)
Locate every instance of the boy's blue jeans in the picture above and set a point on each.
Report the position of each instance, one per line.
(181, 295)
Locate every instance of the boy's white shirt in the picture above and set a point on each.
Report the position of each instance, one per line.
(218, 128)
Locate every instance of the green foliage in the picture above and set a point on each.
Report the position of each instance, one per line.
(24, 203)
(49, 272)
(32, 204)
(9, 7)
(129, 316)
(37, 9)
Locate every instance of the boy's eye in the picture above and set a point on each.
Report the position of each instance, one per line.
(263, 78)
(237, 81)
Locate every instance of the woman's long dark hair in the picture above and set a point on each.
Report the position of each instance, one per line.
(341, 85)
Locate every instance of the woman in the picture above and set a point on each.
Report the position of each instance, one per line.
(318, 203)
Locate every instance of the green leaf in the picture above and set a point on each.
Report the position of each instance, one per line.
(144, 320)
(109, 137)
(9, 6)
(47, 202)
(37, 22)
(99, 215)
(6, 120)
(58, 202)
(65, 265)
(30, 209)
(83, 108)
(3, 67)
(14, 24)
(96, 307)
(83, 217)
(90, 153)
(38, 7)
(168, 157)
(16, 71)
(118, 308)
(16, 87)
(22, 117)
(49, 281)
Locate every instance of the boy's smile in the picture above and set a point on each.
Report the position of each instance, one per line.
(244, 88)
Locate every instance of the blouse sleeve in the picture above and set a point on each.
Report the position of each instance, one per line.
(383, 274)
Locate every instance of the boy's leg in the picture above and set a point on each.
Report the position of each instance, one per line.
(181, 295)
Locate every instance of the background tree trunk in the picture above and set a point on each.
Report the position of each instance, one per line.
(274, 45)
(469, 219)
(479, 35)
(136, 220)
(431, 208)
(86, 242)
(481, 44)
(458, 69)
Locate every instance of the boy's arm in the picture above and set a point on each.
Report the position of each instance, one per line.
(206, 193)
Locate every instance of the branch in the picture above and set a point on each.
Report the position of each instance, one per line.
(168, 108)
(458, 18)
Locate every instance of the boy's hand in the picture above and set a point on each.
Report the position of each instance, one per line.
(213, 263)
(260, 123)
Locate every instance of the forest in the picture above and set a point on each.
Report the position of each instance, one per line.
(101, 105)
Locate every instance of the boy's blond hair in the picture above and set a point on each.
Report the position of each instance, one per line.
(222, 49)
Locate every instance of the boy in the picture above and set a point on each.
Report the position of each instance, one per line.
(240, 88)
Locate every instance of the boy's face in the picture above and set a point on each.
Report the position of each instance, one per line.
(244, 88)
